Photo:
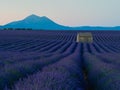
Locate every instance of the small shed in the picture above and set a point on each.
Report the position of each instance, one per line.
(85, 37)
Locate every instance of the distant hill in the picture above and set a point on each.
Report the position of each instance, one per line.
(35, 22)
(96, 28)
(44, 23)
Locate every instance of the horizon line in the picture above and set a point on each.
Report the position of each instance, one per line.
(61, 24)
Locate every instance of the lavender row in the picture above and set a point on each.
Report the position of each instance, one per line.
(101, 75)
(66, 74)
(12, 73)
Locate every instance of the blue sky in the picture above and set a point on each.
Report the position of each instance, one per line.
(65, 12)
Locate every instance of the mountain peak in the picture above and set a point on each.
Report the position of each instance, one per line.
(32, 16)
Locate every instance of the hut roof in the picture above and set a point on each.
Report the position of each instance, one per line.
(85, 34)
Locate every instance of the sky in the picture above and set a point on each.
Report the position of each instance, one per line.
(64, 12)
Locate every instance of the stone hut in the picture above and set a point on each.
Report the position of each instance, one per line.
(85, 37)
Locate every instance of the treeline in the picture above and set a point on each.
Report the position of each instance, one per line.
(17, 29)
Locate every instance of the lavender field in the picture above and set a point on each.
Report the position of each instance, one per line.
(53, 60)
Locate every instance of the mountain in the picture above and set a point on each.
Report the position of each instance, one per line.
(44, 23)
(35, 22)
